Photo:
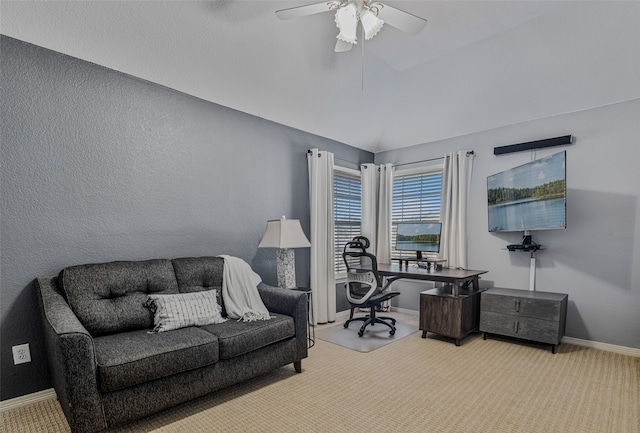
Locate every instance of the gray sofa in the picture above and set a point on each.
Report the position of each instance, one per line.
(107, 369)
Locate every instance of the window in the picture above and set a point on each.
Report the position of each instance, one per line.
(347, 210)
(416, 197)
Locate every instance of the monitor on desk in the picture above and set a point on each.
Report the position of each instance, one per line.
(419, 237)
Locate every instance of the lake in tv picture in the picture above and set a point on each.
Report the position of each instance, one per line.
(529, 197)
(418, 246)
(528, 215)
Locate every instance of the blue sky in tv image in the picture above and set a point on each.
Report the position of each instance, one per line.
(531, 174)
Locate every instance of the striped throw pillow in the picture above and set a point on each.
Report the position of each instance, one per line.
(184, 309)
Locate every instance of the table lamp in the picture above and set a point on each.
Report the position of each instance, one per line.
(285, 235)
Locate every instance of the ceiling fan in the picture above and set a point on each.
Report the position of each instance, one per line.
(370, 14)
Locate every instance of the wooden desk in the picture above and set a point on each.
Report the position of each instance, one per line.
(456, 277)
(452, 310)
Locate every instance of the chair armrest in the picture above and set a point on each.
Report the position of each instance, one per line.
(292, 303)
(72, 359)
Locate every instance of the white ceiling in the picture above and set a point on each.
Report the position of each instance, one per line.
(477, 65)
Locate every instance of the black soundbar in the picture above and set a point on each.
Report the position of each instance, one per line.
(538, 144)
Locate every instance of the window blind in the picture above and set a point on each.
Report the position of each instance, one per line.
(416, 197)
(347, 211)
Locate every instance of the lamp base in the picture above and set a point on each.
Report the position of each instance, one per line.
(286, 267)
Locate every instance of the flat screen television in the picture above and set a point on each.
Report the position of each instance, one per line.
(419, 237)
(531, 196)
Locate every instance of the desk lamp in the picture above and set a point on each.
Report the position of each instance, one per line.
(285, 235)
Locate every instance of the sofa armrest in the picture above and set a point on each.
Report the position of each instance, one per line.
(72, 359)
(292, 303)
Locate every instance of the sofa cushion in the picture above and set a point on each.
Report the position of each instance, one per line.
(199, 271)
(195, 274)
(135, 357)
(236, 337)
(109, 297)
(184, 309)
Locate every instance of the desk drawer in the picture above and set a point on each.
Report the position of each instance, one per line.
(521, 306)
(528, 328)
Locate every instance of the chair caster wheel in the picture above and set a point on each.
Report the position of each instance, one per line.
(360, 333)
(346, 325)
(392, 332)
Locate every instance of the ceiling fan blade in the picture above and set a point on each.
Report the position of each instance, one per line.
(302, 11)
(342, 46)
(402, 20)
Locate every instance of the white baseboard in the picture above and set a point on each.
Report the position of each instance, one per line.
(341, 314)
(622, 350)
(27, 399)
(406, 311)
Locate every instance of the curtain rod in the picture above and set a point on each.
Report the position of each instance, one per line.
(471, 152)
(346, 160)
(418, 162)
(337, 159)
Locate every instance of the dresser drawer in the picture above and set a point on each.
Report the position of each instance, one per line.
(525, 306)
(527, 328)
(528, 315)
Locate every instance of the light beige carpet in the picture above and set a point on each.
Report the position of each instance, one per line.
(373, 338)
(412, 385)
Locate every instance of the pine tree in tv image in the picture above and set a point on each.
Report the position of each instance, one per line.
(529, 197)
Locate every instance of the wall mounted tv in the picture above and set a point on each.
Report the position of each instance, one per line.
(531, 196)
(419, 237)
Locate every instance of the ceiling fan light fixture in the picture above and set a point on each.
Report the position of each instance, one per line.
(370, 23)
(347, 22)
(351, 13)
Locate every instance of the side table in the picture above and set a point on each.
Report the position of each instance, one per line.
(311, 329)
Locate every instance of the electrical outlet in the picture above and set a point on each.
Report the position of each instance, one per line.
(21, 354)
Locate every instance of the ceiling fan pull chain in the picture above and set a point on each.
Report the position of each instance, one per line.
(362, 63)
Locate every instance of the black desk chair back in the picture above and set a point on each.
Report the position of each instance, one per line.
(364, 286)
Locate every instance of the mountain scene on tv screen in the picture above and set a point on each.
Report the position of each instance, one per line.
(531, 196)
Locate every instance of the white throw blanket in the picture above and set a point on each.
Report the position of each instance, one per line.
(240, 291)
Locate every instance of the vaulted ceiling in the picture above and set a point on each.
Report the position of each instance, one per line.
(477, 65)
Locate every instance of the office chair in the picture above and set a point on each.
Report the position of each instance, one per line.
(364, 285)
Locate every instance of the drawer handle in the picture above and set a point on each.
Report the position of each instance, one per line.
(517, 302)
(515, 326)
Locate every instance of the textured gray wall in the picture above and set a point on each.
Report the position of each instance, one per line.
(98, 166)
(595, 260)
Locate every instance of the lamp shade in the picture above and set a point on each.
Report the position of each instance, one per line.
(284, 233)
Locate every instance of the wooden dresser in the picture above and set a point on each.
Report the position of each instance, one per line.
(529, 315)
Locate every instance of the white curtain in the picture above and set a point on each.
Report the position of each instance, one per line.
(370, 182)
(323, 286)
(456, 184)
(385, 198)
(377, 193)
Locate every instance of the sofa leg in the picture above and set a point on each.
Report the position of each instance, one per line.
(298, 366)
